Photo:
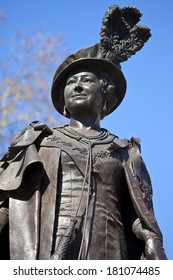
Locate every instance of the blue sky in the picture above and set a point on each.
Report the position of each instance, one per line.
(146, 111)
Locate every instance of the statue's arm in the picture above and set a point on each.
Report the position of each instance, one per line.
(144, 224)
(4, 215)
(153, 241)
(153, 246)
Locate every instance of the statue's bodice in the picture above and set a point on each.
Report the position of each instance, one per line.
(104, 232)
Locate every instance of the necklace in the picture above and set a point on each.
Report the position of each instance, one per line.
(100, 136)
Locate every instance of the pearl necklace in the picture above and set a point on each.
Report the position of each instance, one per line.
(100, 136)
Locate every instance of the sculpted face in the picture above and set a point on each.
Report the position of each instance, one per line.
(83, 94)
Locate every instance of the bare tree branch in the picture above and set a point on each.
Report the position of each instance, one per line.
(25, 81)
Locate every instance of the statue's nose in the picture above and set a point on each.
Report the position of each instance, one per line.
(78, 86)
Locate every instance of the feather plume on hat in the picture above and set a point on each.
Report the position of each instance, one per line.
(120, 34)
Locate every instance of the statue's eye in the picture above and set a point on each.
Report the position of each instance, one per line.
(70, 81)
(87, 80)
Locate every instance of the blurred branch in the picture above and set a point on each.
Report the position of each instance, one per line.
(25, 81)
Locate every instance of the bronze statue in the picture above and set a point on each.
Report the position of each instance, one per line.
(78, 191)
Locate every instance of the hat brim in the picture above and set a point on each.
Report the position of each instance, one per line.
(61, 76)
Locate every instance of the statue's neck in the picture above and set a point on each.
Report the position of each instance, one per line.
(85, 124)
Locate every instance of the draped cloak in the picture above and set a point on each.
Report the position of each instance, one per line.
(31, 179)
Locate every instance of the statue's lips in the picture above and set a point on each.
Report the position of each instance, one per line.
(80, 95)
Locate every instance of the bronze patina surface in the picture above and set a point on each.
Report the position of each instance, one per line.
(78, 191)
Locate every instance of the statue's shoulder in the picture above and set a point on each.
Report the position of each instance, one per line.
(25, 138)
(29, 134)
(125, 143)
(135, 141)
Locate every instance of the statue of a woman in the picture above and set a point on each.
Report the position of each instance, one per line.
(78, 191)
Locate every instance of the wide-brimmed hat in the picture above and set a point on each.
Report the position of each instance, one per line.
(120, 38)
(88, 58)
